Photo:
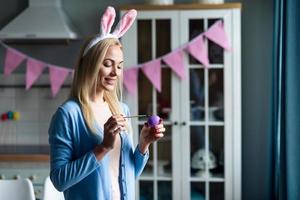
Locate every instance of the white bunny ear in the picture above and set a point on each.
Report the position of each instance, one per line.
(107, 20)
(125, 23)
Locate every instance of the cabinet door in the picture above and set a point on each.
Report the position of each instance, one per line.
(153, 35)
(206, 165)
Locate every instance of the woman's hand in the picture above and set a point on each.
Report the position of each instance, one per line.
(113, 126)
(149, 135)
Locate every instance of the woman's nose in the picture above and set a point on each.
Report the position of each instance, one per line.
(114, 70)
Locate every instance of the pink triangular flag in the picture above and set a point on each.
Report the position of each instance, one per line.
(34, 70)
(130, 79)
(217, 34)
(197, 49)
(152, 71)
(58, 76)
(175, 61)
(13, 59)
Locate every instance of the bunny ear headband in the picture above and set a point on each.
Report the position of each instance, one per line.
(107, 21)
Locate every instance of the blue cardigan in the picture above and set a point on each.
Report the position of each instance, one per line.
(74, 168)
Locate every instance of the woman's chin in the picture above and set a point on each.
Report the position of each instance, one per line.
(109, 88)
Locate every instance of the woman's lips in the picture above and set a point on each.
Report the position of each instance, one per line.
(110, 81)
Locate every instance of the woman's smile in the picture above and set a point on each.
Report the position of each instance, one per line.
(110, 81)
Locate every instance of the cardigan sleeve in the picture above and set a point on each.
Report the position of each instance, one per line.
(64, 170)
(140, 160)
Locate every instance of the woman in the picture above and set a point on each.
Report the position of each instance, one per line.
(92, 153)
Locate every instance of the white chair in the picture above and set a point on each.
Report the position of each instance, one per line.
(50, 192)
(20, 189)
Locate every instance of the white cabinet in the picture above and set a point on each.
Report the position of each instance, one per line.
(200, 155)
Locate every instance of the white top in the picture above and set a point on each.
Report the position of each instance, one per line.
(114, 161)
(102, 113)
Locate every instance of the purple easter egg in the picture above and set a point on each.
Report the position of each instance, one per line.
(153, 120)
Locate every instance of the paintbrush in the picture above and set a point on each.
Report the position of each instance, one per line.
(134, 116)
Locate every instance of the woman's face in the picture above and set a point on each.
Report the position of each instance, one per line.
(111, 68)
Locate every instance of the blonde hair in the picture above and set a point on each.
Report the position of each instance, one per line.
(86, 79)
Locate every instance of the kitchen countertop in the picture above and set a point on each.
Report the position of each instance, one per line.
(24, 153)
(24, 158)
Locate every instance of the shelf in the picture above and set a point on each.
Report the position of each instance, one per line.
(158, 178)
(146, 177)
(210, 179)
(186, 6)
(209, 123)
(24, 158)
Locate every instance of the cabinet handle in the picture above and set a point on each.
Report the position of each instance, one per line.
(175, 123)
(183, 123)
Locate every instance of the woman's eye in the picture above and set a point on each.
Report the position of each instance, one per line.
(107, 64)
(120, 66)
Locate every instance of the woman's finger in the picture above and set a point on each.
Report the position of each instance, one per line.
(160, 130)
(159, 135)
(113, 121)
(117, 130)
(159, 126)
(117, 118)
(111, 125)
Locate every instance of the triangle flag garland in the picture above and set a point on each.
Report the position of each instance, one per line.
(33, 71)
(130, 77)
(197, 49)
(58, 76)
(153, 73)
(13, 59)
(152, 69)
(175, 61)
(216, 33)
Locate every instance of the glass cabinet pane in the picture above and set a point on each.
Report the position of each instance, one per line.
(144, 38)
(197, 141)
(216, 95)
(196, 27)
(145, 95)
(164, 100)
(164, 190)
(164, 154)
(163, 37)
(146, 190)
(215, 52)
(197, 94)
(197, 191)
(216, 146)
(216, 191)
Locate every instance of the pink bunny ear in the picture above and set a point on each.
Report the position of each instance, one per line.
(107, 20)
(125, 23)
